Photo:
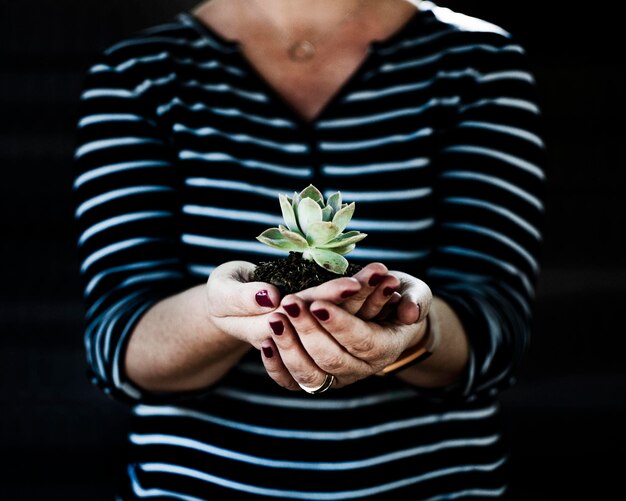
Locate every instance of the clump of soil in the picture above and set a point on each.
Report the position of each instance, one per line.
(292, 273)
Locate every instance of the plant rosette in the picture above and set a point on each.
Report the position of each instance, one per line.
(314, 238)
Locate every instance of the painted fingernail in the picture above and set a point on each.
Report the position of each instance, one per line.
(322, 314)
(263, 298)
(267, 351)
(388, 291)
(375, 279)
(346, 294)
(292, 309)
(277, 327)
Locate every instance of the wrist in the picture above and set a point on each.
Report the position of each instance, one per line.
(416, 352)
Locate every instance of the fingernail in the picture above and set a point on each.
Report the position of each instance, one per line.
(419, 313)
(375, 279)
(267, 351)
(346, 294)
(322, 314)
(292, 309)
(263, 298)
(277, 327)
(388, 291)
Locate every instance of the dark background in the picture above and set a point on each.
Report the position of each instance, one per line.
(60, 438)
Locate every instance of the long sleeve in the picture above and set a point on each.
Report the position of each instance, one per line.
(125, 205)
(489, 190)
(182, 150)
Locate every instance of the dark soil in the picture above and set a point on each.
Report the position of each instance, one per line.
(293, 274)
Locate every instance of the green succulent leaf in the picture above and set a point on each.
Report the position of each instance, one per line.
(308, 212)
(328, 260)
(344, 250)
(295, 200)
(351, 237)
(288, 213)
(274, 238)
(321, 232)
(313, 193)
(327, 213)
(295, 238)
(342, 218)
(334, 201)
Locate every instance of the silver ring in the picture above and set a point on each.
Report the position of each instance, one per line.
(328, 382)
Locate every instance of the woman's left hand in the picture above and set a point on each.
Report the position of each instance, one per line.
(309, 341)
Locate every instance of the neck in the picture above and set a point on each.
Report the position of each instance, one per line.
(305, 16)
(292, 20)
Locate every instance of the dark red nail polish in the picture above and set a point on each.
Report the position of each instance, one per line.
(292, 309)
(346, 294)
(375, 279)
(263, 298)
(322, 314)
(277, 327)
(267, 351)
(388, 291)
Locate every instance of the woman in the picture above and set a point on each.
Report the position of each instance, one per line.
(189, 130)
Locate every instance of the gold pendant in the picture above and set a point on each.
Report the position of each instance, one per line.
(301, 51)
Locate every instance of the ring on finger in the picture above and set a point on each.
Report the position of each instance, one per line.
(328, 382)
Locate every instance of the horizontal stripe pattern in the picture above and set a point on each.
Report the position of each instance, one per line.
(313, 495)
(174, 441)
(181, 153)
(303, 403)
(343, 435)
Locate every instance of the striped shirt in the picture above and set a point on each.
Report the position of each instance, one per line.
(182, 148)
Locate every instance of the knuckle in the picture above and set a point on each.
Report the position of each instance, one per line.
(372, 308)
(332, 363)
(309, 379)
(274, 372)
(360, 297)
(364, 347)
(303, 328)
(306, 328)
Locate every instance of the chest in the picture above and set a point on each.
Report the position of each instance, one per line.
(307, 86)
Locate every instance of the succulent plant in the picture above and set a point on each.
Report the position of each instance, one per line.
(315, 229)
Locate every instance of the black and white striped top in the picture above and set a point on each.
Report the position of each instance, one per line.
(182, 148)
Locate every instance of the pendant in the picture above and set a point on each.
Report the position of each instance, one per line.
(301, 51)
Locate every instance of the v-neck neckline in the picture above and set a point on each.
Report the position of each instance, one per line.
(234, 47)
(301, 120)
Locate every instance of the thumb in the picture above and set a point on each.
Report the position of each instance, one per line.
(416, 299)
(231, 293)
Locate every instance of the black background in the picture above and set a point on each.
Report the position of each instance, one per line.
(61, 439)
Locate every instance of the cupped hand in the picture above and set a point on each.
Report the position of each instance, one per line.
(312, 340)
(240, 307)
(415, 298)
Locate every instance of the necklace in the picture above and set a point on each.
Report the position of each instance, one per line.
(304, 50)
